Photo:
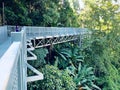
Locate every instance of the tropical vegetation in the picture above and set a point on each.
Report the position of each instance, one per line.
(67, 66)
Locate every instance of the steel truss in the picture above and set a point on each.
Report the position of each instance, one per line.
(32, 56)
(45, 36)
(46, 41)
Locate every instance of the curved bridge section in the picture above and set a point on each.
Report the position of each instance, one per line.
(45, 36)
(19, 51)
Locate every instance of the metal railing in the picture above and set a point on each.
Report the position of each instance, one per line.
(53, 31)
(13, 68)
(13, 29)
(13, 64)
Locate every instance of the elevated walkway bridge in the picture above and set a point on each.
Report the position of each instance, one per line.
(15, 47)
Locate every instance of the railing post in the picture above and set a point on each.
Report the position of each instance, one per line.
(21, 36)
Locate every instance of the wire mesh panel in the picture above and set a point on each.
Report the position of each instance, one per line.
(53, 31)
(44, 36)
(3, 34)
(13, 64)
(22, 76)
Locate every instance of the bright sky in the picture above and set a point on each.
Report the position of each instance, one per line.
(118, 2)
(81, 4)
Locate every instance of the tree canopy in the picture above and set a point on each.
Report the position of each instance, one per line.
(99, 66)
(39, 12)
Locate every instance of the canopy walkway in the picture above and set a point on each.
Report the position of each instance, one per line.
(15, 46)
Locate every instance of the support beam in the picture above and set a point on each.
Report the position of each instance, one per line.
(39, 75)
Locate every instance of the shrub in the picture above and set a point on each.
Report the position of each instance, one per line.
(55, 79)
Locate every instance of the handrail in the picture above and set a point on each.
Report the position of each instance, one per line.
(21, 36)
(54, 31)
(13, 64)
(8, 67)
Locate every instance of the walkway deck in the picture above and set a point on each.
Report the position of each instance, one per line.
(4, 46)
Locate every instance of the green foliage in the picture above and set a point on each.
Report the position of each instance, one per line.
(11, 16)
(39, 13)
(103, 49)
(101, 15)
(103, 54)
(41, 54)
(85, 78)
(54, 79)
(36, 16)
(51, 15)
(68, 17)
(70, 55)
(69, 58)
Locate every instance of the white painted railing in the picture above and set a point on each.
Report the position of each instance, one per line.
(13, 68)
(53, 31)
(13, 64)
(21, 36)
